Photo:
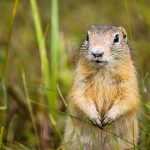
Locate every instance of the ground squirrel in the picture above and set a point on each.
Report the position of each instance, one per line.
(105, 91)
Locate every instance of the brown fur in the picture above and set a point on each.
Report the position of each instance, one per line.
(114, 93)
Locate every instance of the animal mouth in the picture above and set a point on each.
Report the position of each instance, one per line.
(99, 61)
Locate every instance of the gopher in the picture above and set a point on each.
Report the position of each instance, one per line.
(105, 91)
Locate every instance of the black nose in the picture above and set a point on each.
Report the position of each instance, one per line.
(97, 55)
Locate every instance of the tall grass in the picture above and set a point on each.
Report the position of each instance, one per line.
(44, 58)
(6, 55)
(14, 13)
(30, 109)
(1, 136)
(5, 96)
(54, 50)
(3, 108)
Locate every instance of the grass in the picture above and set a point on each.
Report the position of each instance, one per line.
(4, 75)
(68, 22)
(4, 89)
(54, 52)
(42, 49)
(49, 77)
(30, 110)
(1, 136)
(14, 13)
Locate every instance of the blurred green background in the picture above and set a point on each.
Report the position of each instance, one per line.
(39, 41)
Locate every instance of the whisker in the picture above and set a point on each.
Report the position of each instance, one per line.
(119, 57)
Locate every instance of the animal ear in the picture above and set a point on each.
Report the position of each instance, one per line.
(124, 33)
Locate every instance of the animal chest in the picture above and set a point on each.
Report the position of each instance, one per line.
(103, 93)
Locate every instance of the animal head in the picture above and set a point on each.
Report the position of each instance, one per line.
(105, 46)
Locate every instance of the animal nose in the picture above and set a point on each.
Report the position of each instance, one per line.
(97, 55)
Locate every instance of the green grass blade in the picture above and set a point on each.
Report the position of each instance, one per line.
(4, 95)
(5, 63)
(42, 50)
(14, 14)
(54, 50)
(22, 147)
(30, 110)
(1, 136)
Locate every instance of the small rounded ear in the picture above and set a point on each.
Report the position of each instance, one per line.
(124, 33)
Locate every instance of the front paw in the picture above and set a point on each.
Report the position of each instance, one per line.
(107, 121)
(109, 118)
(96, 120)
(95, 116)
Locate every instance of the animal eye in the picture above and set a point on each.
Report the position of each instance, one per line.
(124, 36)
(116, 38)
(87, 37)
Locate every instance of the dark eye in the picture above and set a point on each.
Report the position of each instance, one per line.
(124, 36)
(87, 37)
(116, 38)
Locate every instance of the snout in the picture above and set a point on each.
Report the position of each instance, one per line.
(97, 54)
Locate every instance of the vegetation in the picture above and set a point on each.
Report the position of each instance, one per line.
(38, 45)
